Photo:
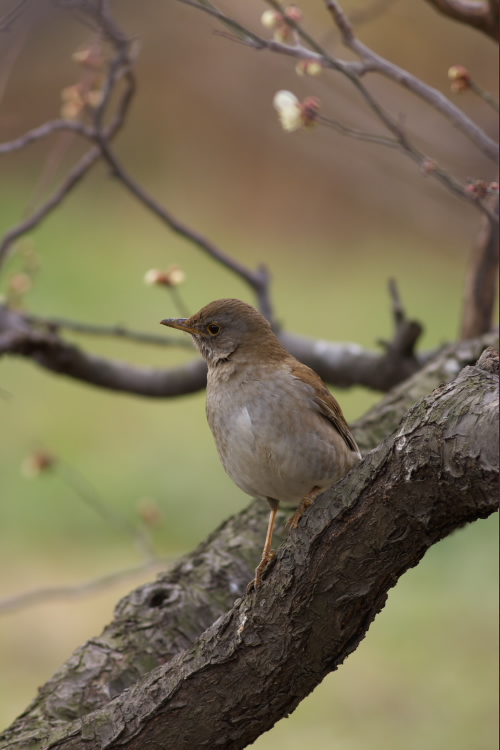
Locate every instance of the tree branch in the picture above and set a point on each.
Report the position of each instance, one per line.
(343, 365)
(116, 331)
(275, 646)
(11, 17)
(371, 62)
(482, 278)
(74, 177)
(32, 136)
(432, 96)
(258, 280)
(480, 15)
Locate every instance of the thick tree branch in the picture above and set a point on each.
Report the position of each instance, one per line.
(480, 15)
(273, 647)
(482, 279)
(339, 364)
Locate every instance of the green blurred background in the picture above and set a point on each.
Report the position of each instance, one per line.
(333, 219)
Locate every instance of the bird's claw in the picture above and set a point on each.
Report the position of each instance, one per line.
(259, 570)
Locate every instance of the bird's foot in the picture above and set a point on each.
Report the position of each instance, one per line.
(294, 520)
(259, 570)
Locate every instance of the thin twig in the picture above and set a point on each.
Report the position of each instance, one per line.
(398, 310)
(72, 179)
(258, 279)
(11, 17)
(358, 134)
(118, 331)
(43, 131)
(62, 593)
(369, 63)
(485, 95)
(480, 15)
(75, 175)
(418, 87)
(89, 495)
(362, 16)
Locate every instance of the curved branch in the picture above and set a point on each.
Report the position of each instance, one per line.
(258, 280)
(116, 331)
(482, 16)
(339, 364)
(43, 131)
(71, 181)
(275, 646)
(74, 177)
(343, 365)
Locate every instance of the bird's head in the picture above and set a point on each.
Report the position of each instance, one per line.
(226, 326)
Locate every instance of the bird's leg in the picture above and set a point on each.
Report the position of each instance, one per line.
(304, 503)
(267, 553)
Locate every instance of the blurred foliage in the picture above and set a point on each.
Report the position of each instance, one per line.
(333, 219)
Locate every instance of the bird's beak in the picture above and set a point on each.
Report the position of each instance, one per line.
(179, 323)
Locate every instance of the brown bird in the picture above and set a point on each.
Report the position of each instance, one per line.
(280, 434)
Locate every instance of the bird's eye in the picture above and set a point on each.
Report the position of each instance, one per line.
(213, 329)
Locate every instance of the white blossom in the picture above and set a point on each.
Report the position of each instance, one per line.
(289, 111)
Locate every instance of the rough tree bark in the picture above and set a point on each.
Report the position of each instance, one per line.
(361, 537)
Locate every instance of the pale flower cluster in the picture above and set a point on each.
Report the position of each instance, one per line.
(173, 276)
(289, 111)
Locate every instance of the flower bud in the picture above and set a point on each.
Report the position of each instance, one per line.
(271, 18)
(308, 68)
(293, 114)
(20, 283)
(477, 188)
(283, 33)
(94, 98)
(310, 108)
(149, 511)
(294, 13)
(73, 102)
(460, 78)
(173, 276)
(37, 463)
(289, 111)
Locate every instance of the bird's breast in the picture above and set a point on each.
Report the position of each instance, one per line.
(270, 438)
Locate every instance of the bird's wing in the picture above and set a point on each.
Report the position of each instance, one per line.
(327, 404)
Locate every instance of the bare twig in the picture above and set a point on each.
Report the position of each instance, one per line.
(485, 95)
(71, 180)
(432, 96)
(258, 280)
(11, 17)
(14, 50)
(79, 170)
(63, 593)
(359, 135)
(361, 16)
(43, 131)
(353, 71)
(117, 331)
(90, 497)
(480, 15)
(398, 310)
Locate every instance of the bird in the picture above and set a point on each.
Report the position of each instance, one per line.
(280, 434)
